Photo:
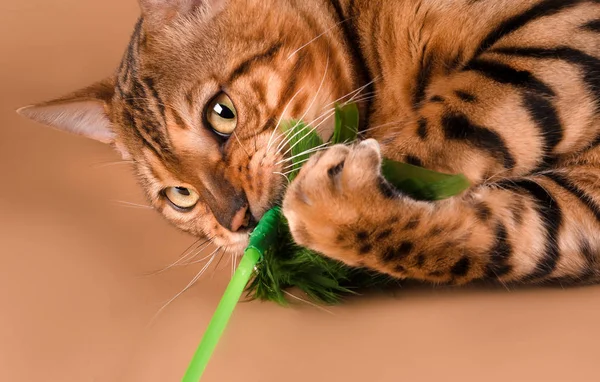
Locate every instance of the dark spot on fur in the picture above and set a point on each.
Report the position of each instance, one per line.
(420, 260)
(400, 253)
(461, 268)
(415, 161)
(388, 255)
(399, 269)
(483, 211)
(517, 209)
(500, 254)
(340, 238)
(405, 248)
(422, 130)
(437, 99)
(336, 170)
(366, 249)
(362, 235)
(412, 224)
(437, 273)
(436, 232)
(465, 96)
(385, 234)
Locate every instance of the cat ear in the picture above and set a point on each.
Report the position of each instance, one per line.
(84, 112)
(160, 12)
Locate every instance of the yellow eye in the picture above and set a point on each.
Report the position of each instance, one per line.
(221, 115)
(181, 197)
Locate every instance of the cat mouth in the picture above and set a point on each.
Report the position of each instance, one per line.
(243, 221)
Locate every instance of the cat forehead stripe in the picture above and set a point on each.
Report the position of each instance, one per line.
(145, 112)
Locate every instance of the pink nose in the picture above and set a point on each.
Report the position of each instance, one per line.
(240, 219)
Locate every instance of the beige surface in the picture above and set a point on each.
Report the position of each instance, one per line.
(77, 304)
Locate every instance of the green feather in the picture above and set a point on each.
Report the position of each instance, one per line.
(285, 265)
(302, 138)
(346, 124)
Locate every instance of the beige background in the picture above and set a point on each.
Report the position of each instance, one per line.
(77, 303)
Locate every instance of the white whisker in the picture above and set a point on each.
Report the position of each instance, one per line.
(353, 93)
(284, 175)
(316, 38)
(308, 302)
(202, 259)
(131, 205)
(192, 251)
(316, 94)
(380, 126)
(188, 286)
(307, 134)
(241, 145)
(309, 151)
(291, 166)
(111, 164)
(281, 119)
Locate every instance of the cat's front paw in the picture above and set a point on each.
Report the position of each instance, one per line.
(337, 200)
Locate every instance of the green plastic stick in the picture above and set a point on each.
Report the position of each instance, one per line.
(261, 239)
(417, 182)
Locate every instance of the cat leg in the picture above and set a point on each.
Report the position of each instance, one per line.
(519, 229)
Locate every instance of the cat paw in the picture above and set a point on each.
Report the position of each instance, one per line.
(338, 199)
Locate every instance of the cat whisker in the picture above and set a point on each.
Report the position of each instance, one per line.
(289, 172)
(287, 134)
(364, 98)
(308, 303)
(307, 134)
(325, 114)
(235, 258)
(316, 38)
(216, 267)
(122, 203)
(354, 93)
(241, 145)
(111, 163)
(308, 126)
(291, 169)
(281, 119)
(292, 166)
(380, 126)
(192, 251)
(188, 286)
(309, 151)
(316, 94)
(284, 175)
(213, 253)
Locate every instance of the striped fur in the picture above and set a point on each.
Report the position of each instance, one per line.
(505, 91)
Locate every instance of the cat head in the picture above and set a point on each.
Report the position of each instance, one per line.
(197, 100)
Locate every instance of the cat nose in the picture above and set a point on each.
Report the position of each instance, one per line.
(242, 219)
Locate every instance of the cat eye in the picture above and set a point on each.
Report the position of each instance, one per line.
(221, 115)
(181, 198)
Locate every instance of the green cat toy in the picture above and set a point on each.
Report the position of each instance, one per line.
(272, 262)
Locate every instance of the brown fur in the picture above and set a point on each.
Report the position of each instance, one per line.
(504, 91)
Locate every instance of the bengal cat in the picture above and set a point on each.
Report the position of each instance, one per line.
(506, 92)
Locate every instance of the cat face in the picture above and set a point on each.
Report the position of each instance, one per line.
(198, 100)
